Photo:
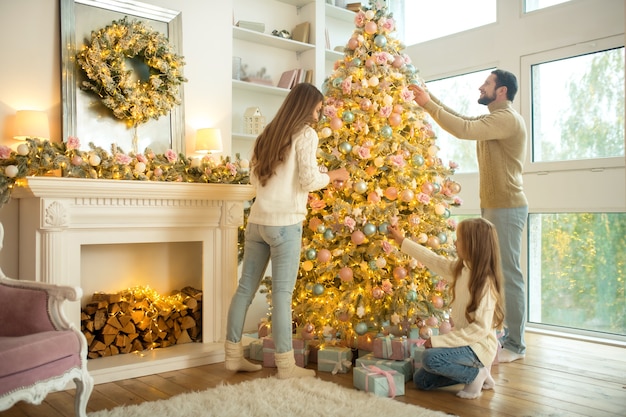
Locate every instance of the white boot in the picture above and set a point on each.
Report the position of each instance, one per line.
(287, 368)
(234, 358)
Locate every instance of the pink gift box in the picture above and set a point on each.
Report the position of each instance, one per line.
(389, 347)
(366, 341)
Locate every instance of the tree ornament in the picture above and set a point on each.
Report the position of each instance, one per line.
(437, 301)
(360, 186)
(328, 234)
(425, 332)
(369, 229)
(380, 41)
(345, 274)
(318, 289)
(345, 148)
(399, 272)
(324, 255)
(377, 293)
(386, 131)
(360, 328)
(371, 28)
(411, 295)
(11, 171)
(348, 117)
(357, 237)
(311, 254)
(307, 265)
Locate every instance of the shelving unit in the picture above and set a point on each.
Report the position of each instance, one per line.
(276, 54)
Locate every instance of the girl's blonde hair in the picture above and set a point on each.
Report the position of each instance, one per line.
(480, 249)
(272, 145)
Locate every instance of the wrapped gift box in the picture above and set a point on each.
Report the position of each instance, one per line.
(405, 366)
(334, 359)
(300, 352)
(264, 328)
(379, 380)
(366, 341)
(390, 347)
(256, 350)
(314, 347)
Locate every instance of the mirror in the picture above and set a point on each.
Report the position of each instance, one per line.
(84, 114)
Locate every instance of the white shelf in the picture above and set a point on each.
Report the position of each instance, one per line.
(244, 136)
(339, 13)
(297, 3)
(333, 55)
(270, 40)
(259, 88)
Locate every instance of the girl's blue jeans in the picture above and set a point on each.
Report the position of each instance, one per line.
(281, 245)
(442, 367)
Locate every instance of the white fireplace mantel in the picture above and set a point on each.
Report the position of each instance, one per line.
(59, 215)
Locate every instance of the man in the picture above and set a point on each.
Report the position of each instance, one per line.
(501, 149)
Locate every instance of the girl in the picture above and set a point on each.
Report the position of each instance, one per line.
(465, 354)
(283, 170)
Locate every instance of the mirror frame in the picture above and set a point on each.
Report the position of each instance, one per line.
(69, 69)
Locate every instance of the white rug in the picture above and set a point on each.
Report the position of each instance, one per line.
(273, 397)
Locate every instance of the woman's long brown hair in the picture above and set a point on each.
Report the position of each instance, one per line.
(274, 142)
(480, 247)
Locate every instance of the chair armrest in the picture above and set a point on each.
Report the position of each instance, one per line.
(39, 317)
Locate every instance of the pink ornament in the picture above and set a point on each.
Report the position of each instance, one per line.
(391, 193)
(377, 293)
(158, 172)
(397, 108)
(399, 272)
(76, 160)
(357, 237)
(353, 43)
(369, 62)
(445, 327)
(454, 187)
(437, 301)
(309, 328)
(426, 332)
(373, 197)
(432, 321)
(371, 28)
(395, 119)
(345, 274)
(407, 195)
(398, 61)
(336, 123)
(433, 242)
(323, 256)
(365, 104)
(427, 188)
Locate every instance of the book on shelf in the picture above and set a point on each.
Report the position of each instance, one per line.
(256, 26)
(308, 76)
(354, 7)
(327, 39)
(301, 32)
(287, 79)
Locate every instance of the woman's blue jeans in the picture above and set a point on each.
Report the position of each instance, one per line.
(282, 245)
(442, 367)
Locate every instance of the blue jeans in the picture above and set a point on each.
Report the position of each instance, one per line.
(509, 223)
(282, 245)
(442, 367)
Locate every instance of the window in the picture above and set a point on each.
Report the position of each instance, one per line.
(577, 265)
(532, 5)
(460, 93)
(578, 107)
(423, 20)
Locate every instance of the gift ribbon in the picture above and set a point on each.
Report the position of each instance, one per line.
(375, 370)
(339, 363)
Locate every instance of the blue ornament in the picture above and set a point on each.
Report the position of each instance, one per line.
(446, 214)
(348, 117)
(436, 187)
(443, 238)
(369, 229)
(328, 234)
(418, 160)
(409, 68)
(318, 289)
(411, 295)
(356, 62)
(321, 228)
(310, 254)
(382, 228)
(380, 41)
(360, 186)
(386, 131)
(360, 328)
(345, 148)
(337, 82)
(372, 265)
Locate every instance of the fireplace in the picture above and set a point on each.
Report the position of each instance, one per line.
(61, 217)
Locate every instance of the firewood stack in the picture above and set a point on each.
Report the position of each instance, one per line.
(138, 319)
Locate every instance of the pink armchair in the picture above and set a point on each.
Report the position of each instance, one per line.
(40, 351)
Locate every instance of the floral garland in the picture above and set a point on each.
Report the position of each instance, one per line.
(104, 63)
(37, 158)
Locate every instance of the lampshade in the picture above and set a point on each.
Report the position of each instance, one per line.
(208, 140)
(31, 124)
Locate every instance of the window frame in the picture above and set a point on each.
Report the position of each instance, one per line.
(527, 61)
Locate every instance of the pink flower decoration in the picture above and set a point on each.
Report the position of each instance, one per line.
(330, 111)
(142, 158)
(232, 168)
(388, 25)
(385, 111)
(170, 155)
(72, 143)
(387, 286)
(346, 85)
(317, 204)
(453, 164)
(5, 152)
(406, 94)
(123, 159)
(350, 223)
(359, 19)
(397, 160)
(364, 153)
(387, 248)
(423, 198)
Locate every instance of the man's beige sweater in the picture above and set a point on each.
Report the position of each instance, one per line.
(500, 148)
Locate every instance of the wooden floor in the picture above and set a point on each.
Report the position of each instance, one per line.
(558, 377)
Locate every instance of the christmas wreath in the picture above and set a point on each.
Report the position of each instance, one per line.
(132, 97)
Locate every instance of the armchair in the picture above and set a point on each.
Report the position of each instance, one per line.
(40, 351)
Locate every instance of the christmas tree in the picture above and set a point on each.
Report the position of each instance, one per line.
(353, 279)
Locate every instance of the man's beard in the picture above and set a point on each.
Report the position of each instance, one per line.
(486, 100)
